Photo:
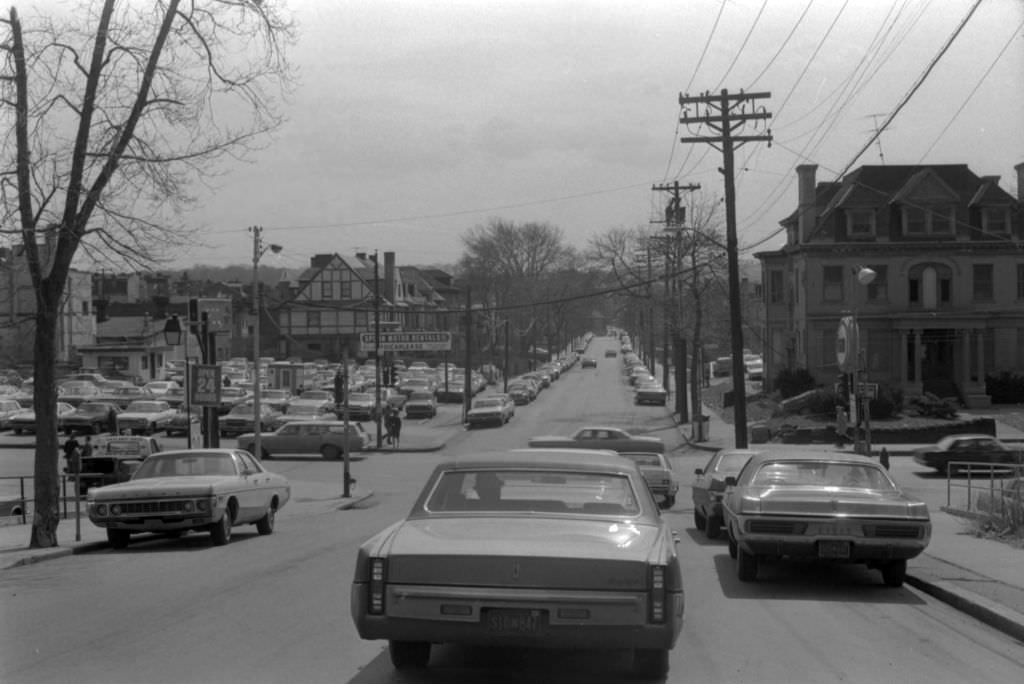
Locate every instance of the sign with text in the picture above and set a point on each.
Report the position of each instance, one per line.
(217, 310)
(407, 341)
(205, 385)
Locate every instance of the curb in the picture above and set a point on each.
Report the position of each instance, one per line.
(1007, 621)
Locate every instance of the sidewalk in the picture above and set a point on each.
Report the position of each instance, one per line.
(416, 438)
(980, 577)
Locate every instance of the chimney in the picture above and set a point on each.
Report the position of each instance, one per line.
(807, 209)
(389, 276)
(361, 256)
(1019, 168)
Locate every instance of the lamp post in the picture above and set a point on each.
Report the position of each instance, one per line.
(865, 276)
(258, 250)
(173, 336)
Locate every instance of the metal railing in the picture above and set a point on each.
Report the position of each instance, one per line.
(71, 497)
(988, 490)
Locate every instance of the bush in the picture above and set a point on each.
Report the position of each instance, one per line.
(1005, 388)
(791, 382)
(931, 406)
(887, 404)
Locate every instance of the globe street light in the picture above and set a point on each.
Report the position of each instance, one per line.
(865, 276)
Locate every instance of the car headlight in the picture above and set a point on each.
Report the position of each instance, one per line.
(187, 506)
(101, 509)
(203, 505)
(115, 509)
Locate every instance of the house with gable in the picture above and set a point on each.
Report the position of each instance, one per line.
(946, 306)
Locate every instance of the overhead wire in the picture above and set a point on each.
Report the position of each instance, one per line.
(743, 45)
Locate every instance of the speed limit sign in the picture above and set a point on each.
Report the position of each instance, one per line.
(205, 385)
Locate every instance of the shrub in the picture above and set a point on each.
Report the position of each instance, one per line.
(791, 382)
(1005, 388)
(887, 404)
(931, 406)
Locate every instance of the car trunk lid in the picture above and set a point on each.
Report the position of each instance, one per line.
(832, 500)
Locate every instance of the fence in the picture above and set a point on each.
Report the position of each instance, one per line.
(70, 495)
(993, 491)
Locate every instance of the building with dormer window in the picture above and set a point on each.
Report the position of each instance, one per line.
(946, 307)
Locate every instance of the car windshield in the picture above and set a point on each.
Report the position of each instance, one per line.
(88, 407)
(821, 474)
(533, 491)
(176, 464)
(421, 396)
(731, 463)
(487, 403)
(303, 410)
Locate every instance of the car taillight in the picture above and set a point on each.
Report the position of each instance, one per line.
(658, 593)
(378, 580)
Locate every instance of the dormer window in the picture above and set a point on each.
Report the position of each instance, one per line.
(934, 220)
(860, 222)
(995, 220)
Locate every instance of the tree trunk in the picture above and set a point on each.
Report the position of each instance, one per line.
(46, 514)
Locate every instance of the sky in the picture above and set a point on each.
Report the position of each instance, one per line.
(414, 122)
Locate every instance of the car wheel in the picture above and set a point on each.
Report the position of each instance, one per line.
(650, 663)
(746, 566)
(220, 532)
(17, 431)
(265, 525)
(265, 455)
(713, 528)
(409, 655)
(330, 452)
(119, 538)
(894, 573)
(733, 546)
(699, 521)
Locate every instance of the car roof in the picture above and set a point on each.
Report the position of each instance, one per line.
(832, 456)
(596, 460)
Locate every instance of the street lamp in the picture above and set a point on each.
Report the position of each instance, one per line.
(173, 336)
(258, 250)
(865, 276)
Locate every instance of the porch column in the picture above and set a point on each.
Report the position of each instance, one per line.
(904, 374)
(981, 357)
(965, 358)
(917, 385)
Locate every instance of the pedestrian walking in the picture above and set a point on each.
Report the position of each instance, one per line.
(841, 427)
(71, 455)
(396, 428)
(389, 421)
(87, 447)
(883, 458)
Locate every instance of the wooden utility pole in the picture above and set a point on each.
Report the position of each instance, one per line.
(724, 114)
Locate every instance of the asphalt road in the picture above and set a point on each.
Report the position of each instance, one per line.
(275, 609)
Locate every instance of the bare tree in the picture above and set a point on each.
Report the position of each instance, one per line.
(117, 108)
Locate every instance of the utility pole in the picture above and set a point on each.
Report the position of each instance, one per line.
(376, 344)
(725, 114)
(675, 218)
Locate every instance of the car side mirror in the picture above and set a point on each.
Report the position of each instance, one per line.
(730, 481)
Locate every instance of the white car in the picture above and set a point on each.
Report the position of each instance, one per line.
(161, 387)
(144, 417)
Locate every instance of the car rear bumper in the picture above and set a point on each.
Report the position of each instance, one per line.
(609, 626)
(859, 549)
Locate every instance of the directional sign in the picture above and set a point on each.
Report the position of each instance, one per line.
(205, 387)
(847, 344)
(407, 341)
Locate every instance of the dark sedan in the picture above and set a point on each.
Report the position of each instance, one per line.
(709, 488)
(92, 417)
(970, 448)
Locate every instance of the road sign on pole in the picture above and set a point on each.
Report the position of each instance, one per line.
(205, 385)
(407, 341)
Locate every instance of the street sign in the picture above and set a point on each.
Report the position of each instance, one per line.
(847, 343)
(217, 310)
(205, 385)
(407, 341)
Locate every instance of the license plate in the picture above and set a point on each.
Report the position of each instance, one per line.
(514, 621)
(833, 549)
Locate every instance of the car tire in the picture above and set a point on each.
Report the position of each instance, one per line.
(699, 521)
(119, 538)
(669, 501)
(265, 525)
(746, 566)
(409, 655)
(713, 528)
(894, 573)
(650, 663)
(220, 531)
(330, 452)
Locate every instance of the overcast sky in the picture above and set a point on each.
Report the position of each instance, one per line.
(416, 121)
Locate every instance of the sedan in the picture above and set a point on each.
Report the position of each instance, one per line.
(242, 418)
(144, 417)
(25, 421)
(326, 438)
(8, 408)
(970, 448)
(172, 492)
(528, 548)
(182, 422)
(493, 410)
(839, 508)
(588, 362)
(658, 472)
(421, 405)
(91, 416)
(708, 488)
(124, 395)
(650, 392)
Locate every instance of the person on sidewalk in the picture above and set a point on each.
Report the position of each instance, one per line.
(71, 454)
(883, 458)
(842, 425)
(396, 428)
(389, 422)
(87, 447)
